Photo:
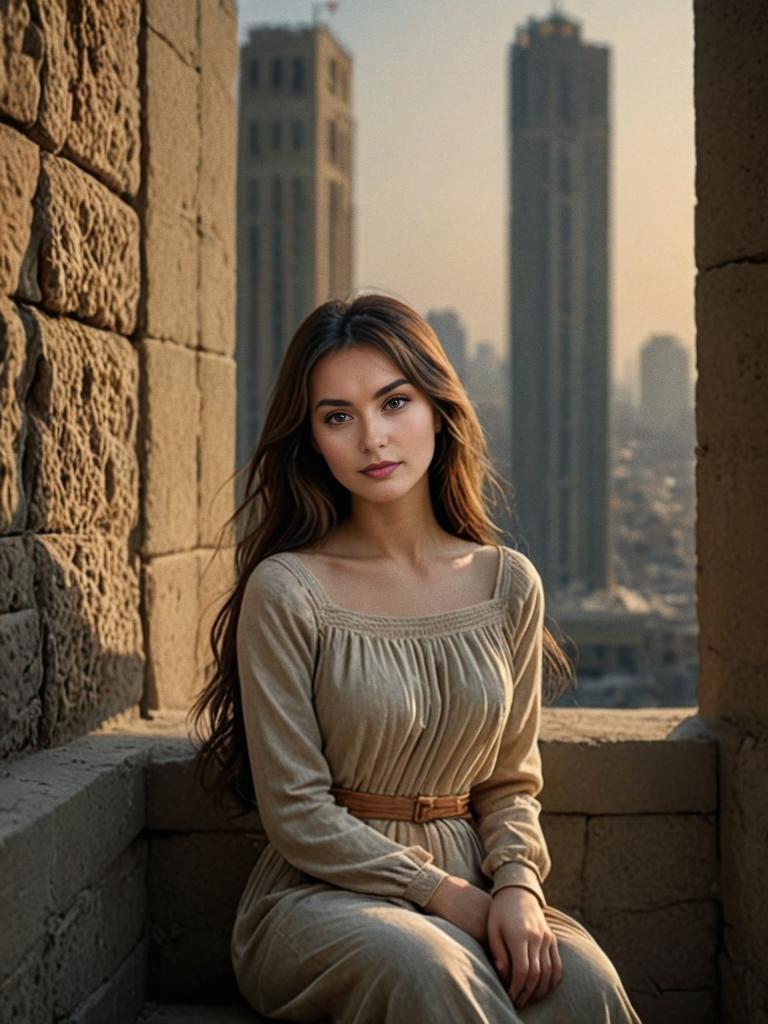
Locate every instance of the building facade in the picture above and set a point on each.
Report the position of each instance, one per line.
(559, 301)
(665, 389)
(295, 215)
(447, 325)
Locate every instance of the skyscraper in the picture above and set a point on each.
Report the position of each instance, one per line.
(294, 199)
(665, 388)
(453, 337)
(559, 343)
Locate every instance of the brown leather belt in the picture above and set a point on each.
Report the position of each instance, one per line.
(402, 808)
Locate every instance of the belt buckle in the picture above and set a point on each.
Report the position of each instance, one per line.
(424, 804)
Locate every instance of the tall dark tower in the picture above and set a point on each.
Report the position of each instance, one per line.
(559, 341)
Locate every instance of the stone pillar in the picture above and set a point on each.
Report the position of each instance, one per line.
(731, 83)
(186, 334)
(117, 393)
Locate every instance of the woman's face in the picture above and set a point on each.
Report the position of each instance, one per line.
(362, 410)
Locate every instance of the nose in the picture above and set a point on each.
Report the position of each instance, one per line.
(373, 433)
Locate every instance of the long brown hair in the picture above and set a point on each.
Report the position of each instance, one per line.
(292, 500)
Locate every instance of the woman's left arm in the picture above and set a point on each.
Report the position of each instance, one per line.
(507, 813)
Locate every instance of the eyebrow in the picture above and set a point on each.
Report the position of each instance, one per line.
(377, 394)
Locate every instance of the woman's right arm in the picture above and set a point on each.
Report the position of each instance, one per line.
(277, 638)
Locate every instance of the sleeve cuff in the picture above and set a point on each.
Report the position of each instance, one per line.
(514, 873)
(424, 883)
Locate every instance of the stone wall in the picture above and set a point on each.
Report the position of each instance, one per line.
(731, 83)
(117, 377)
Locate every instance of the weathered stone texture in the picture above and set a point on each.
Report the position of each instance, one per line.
(19, 167)
(89, 599)
(176, 24)
(104, 131)
(88, 258)
(21, 672)
(566, 834)
(58, 72)
(14, 383)
(671, 948)
(218, 396)
(731, 81)
(216, 578)
(81, 465)
(218, 162)
(171, 607)
(21, 49)
(170, 424)
(732, 484)
(17, 579)
(170, 195)
(121, 997)
(636, 862)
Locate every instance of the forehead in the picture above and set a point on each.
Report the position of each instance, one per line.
(362, 366)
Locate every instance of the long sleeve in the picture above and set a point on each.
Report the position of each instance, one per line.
(505, 804)
(277, 641)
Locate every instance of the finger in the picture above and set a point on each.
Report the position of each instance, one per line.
(520, 966)
(557, 963)
(532, 980)
(545, 978)
(499, 955)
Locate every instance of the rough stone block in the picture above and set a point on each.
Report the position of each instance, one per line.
(187, 886)
(566, 837)
(218, 163)
(19, 168)
(98, 931)
(170, 195)
(171, 608)
(176, 801)
(15, 372)
(58, 75)
(743, 831)
(218, 398)
(168, 445)
(17, 577)
(191, 964)
(104, 131)
(732, 309)
(21, 49)
(216, 577)
(699, 1007)
(673, 947)
(88, 258)
(121, 998)
(82, 469)
(93, 647)
(21, 672)
(629, 776)
(25, 991)
(635, 862)
(176, 24)
(731, 138)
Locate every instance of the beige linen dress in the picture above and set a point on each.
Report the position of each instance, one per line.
(331, 924)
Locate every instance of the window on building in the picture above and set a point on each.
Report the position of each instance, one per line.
(298, 79)
(564, 172)
(333, 75)
(277, 136)
(297, 134)
(277, 196)
(277, 73)
(253, 73)
(252, 196)
(254, 138)
(344, 85)
(333, 142)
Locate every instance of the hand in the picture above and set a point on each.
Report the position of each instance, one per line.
(463, 904)
(523, 946)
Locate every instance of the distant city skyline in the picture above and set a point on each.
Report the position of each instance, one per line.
(431, 161)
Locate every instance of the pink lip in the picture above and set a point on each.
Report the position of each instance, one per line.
(380, 474)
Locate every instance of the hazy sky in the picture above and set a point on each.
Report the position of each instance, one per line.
(430, 190)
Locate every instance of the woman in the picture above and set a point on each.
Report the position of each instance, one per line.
(377, 688)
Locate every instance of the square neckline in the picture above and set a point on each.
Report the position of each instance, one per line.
(465, 611)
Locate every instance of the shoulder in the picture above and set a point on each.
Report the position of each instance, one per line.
(525, 579)
(275, 584)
